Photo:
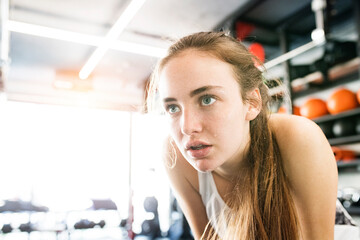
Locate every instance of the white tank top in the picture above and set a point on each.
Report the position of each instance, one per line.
(215, 205)
(212, 200)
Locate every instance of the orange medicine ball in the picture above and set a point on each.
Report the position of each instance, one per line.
(341, 100)
(282, 109)
(313, 108)
(358, 96)
(296, 110)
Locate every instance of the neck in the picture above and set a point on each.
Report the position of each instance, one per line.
(231, 173)
(234, 166)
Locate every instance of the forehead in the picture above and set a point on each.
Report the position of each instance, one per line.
(193, 69)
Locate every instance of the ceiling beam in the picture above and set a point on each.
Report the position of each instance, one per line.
(300, 14)
(246, 7)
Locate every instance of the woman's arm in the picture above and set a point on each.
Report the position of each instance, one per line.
(184, 182)
(311, 170)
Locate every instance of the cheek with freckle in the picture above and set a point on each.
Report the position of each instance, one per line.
(214, 125)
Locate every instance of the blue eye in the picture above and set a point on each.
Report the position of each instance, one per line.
(207, 100)
(172, 109)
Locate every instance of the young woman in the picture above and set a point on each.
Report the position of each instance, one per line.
(237, 171)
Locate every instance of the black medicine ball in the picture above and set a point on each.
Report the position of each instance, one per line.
(344, 127)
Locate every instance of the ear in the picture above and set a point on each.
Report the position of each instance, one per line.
(254, 104)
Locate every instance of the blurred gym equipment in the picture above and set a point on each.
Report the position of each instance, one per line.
(344, 127)
(314, 108)
(151, 227)
(341, 100)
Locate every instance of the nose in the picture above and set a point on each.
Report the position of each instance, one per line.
(190, 122)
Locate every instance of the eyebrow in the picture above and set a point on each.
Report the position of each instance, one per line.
(201, 90)
(194, 92)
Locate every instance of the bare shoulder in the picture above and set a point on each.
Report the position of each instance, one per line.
(301, 142)
(310, 168)
(284, 124)
(298, 135)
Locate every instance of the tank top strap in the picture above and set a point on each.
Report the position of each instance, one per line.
(205, 189)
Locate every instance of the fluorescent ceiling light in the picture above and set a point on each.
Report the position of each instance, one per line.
(86, 39)
(110, 37)
(53, 33)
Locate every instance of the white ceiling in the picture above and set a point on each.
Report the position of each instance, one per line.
(118, 80)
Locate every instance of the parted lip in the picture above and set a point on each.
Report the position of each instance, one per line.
(191, 144)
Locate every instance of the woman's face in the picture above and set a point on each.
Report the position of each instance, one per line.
(209, 122)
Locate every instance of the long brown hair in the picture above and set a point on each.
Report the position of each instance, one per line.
(261, 203)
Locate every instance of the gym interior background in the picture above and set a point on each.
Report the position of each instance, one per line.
(80, 157)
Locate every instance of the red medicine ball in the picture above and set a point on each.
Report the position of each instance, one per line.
(313, 108)
(341, 100)
(258, 50)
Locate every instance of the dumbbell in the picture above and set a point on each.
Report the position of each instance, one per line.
(151, 204)
(101, 223)
(86, 224)
(349, 197)
(356, 199)
(26, 227)
(123, 223)
(7, 228)
(150, 227)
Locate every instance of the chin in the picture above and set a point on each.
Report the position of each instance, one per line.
(202, 166)
(204, 170)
